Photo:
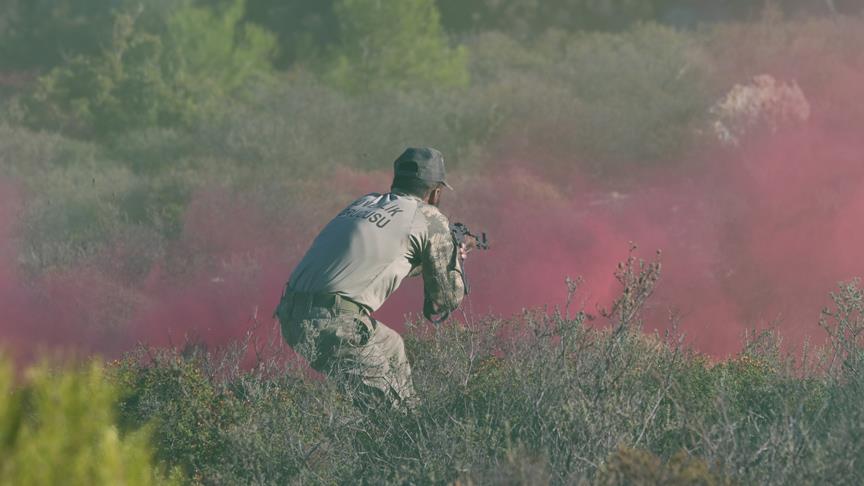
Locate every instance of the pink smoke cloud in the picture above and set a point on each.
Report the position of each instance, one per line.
(751, 236)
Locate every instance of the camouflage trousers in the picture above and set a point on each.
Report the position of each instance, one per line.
(366, 357)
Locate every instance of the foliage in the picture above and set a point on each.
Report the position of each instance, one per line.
(653, 67)
(314, 129)
(83, 205)
(43, 33)
(214, 51)
(589, 102)
(844, 324)
(542, 398)
(386, 44)
(627, 99)
(144, 80)
(527, 18)
(125, 87)
(532, 18)
(219, 423)
(816, 54)
(306, 29)
(60, 429)
(638, 467)
(539, 399)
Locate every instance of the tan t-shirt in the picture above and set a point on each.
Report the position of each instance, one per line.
(366, 251)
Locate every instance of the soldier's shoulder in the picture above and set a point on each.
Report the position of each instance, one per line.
(431, 212)
(435, 219)
(365, 197)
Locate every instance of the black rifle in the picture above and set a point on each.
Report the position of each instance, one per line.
(461, 234)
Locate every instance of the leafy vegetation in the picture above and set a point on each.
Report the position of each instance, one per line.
(538, 399)
(60, 427)
(395, 45)
(120, 119)
(141, 81)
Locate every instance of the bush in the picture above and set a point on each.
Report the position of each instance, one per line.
(153, 151)
(215, 52)
(642, 93)
(42, 34)
(817, 54)
(224, 426)
(394, 44)
(537, 399)
(306, 29)
(38, 33)
(120, 89)
(82, 206)
(146, 80)
(601, 100)
(60, 428)
(532, 18)
(310, 129)
(638, 467)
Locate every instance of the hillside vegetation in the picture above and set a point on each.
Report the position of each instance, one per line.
(122, 122)
(536, 399)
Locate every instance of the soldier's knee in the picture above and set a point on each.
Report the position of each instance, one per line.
(390, 337)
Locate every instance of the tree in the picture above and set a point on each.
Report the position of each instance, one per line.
(143, 79)
(530, 18)
(307, 29)
(394, 44)
(213, 47)
(41, 34)
(61, 428)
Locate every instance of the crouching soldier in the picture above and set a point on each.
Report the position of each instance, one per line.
(353, 266)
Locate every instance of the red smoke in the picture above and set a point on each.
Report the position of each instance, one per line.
(750, 236)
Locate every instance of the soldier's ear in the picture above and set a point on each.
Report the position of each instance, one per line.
(435, 196)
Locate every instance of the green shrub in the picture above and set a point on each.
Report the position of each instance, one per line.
(394, 44)
(153, 151)
(60, 429)
(306, 28)
(42, 34)
(153, 77)
(123, 88)
(83, 207)
(642, 93)
(541, 398)
(531, 18)
(306, 128)
(634, 467)
(38, 33)
(213, 51)
(25, 155)
(225, 426)
(601, 100)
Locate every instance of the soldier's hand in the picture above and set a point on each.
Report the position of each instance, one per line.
(467, 245)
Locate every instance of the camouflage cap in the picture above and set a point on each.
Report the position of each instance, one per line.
(425, 163)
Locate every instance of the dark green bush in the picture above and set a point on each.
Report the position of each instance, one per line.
(39, 33)
(633, 467)
(310, 129)
(83, 207)
(606, 100)
(145, 77)
(393, 45)
(306, 29)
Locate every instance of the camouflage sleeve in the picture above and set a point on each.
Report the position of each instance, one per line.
(441, 269)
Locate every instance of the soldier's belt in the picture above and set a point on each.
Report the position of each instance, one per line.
(305, 301)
